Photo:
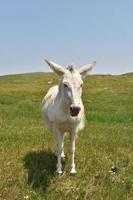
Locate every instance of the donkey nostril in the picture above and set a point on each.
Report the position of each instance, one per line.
(74, 110)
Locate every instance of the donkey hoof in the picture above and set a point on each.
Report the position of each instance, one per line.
(63, 156)
(73, 172)
(59, 172)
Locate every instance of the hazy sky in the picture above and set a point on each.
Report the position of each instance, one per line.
(67, 31)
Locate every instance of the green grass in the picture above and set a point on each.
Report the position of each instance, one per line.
(27, 160)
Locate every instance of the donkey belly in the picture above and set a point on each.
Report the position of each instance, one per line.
(61, 122)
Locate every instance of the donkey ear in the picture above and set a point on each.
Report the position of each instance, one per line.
(56, 68)
(86, 68)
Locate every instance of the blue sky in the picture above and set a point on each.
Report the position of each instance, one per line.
(72, 31)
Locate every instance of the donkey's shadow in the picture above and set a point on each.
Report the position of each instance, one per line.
(41, 167)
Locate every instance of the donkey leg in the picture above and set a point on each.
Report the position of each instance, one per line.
(57, 143)
(59, 139)
(62, 153)
(72, 151)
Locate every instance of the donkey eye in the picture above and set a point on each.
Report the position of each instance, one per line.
(65, 85)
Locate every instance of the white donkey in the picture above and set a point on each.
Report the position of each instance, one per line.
(63, 110)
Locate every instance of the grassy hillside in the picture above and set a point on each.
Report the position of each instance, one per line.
(27, 160)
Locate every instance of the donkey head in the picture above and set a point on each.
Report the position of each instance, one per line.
(71, 83)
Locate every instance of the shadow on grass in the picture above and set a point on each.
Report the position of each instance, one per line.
(41, 168)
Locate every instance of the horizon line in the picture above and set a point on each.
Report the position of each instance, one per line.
(34, 72)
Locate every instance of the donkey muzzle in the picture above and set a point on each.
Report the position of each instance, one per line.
(74, 110)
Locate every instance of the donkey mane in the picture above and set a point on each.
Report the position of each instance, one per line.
(71, 68)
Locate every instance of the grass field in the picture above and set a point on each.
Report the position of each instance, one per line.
(27, 159)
